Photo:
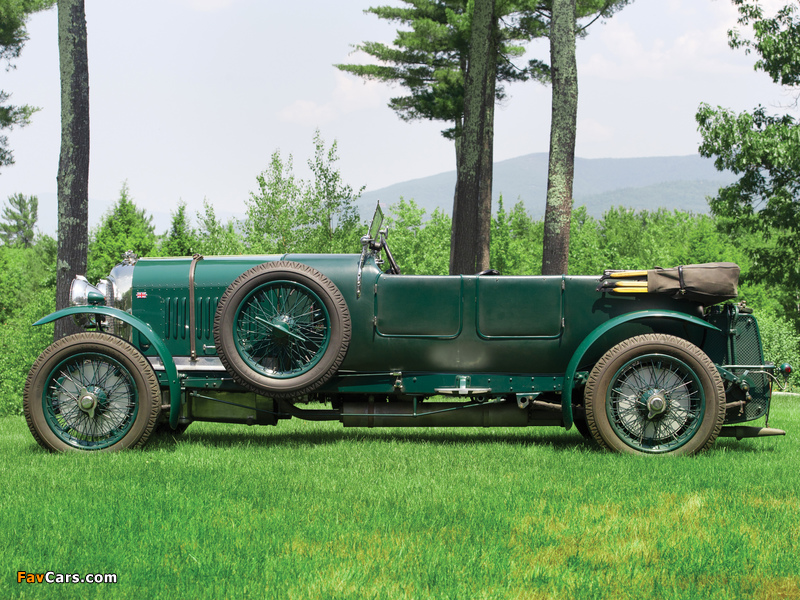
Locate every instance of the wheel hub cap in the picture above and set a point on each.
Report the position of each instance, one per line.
(87, 402)
(282, 326)
(656, 402)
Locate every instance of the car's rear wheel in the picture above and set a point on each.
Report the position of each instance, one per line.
(91, 391)
(655, 394)
(282, 329)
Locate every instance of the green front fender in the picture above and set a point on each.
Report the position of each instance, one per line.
(145, 330)
(577, 357)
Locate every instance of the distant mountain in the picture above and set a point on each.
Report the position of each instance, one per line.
(674, 182)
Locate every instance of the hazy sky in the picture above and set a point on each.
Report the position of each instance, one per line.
(189, 98)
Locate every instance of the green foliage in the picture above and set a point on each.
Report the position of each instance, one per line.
(763, 207)
(27, 290)
(124, 227)
(215, 238)
(22, 343)
(420, 246)
(765, 201)
(181, 239)
(781, 342)
(516, 241)
(18, 220)
(430, 59)
(587, 254)
(13, 17)
(288, 214)
(274, 213)
(622, 239)
(26, 274)
(776, 40)
(10, 117)
(333, 219)
(501, 239)
(629, 239)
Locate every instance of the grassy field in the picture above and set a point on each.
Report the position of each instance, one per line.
(306, 511)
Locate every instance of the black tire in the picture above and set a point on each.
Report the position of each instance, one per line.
(91, 391)
(579, 414)
(655, 394)
(282, 329)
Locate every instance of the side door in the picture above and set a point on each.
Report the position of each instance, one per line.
(519, 307)
(419, 306)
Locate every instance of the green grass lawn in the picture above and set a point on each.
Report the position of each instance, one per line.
(312, 510)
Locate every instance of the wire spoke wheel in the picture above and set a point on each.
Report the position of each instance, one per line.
(90, 400)
(91, 391)
(655, 394)
(655, 403)
(282, 329)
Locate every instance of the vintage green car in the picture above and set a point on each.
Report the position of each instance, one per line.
(644, 362)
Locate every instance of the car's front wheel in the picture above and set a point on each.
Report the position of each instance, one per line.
(655, 394)
(91, 391)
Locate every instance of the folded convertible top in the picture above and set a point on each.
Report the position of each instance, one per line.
(708, 283)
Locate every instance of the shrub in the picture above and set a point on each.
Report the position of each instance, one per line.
(781, 342)
(22, 344)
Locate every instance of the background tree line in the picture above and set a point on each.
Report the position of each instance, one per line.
(286, 213)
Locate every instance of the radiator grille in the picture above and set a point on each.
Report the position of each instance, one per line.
(748, 351)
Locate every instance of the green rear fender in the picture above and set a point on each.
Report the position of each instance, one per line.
(589, 340)
(147, 332)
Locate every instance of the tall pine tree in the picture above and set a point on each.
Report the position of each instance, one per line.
(431, 60)
(563, 124)
(73, 164)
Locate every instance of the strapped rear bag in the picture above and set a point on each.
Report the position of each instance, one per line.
(708, 283)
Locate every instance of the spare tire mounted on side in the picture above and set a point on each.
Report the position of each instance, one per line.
(282, 329)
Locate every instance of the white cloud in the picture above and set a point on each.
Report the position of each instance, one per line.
(627, 51)
(349, 94)
(307, 112)
(352, 93)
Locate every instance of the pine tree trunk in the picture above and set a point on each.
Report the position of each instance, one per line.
(487, 166)
(73, 164)
(467, 233)
(561, 168)
(457, 143)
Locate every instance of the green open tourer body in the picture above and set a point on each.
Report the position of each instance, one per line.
(645, 362)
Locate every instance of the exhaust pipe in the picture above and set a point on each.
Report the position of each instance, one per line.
(742, 431)
(435, 414)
